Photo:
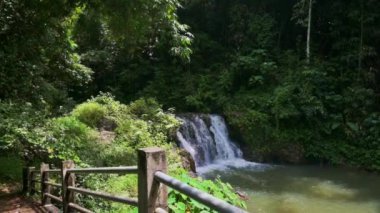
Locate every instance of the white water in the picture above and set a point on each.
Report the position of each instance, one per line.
(225, 148)
(206, 138)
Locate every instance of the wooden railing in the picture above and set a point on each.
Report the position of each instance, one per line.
(152, 185)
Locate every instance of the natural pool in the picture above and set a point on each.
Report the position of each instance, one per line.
(303, 189)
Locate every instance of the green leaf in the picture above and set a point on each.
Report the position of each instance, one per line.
(353, 126)
(335, 125)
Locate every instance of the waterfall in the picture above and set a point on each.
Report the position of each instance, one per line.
(206, 138)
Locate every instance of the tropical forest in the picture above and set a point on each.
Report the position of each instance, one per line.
(268, 106)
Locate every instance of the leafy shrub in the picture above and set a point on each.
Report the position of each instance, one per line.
(181, 203)
(114, 108)
(89, 113)
(145, 107)
(68, 138)
(21, 129)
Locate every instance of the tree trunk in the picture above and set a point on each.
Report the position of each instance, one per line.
(308, 32)
(360, 55)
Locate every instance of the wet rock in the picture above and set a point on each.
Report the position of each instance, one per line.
(241, 194)
(289, 154)
(293, 153)
(187, 161)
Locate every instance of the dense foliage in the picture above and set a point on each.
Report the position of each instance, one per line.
(103, 132)
(297, 80)
(39, 58)
(41, 70)
(249, 63)
(179, 202)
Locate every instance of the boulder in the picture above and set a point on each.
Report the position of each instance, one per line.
(187, 161)
(293, 153)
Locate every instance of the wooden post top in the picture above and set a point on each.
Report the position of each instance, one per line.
(150, 193)
(151, 150)
(67, 164)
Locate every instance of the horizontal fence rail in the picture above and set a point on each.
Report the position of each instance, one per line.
(121, 169)
(202, 197)
(53, 184)
(52, 170)
(152, 185)
(79, 208)
(130, 201)
(54, 197)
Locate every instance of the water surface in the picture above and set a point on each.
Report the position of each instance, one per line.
(302, 189)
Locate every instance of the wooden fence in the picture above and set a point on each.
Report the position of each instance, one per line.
(152, 185)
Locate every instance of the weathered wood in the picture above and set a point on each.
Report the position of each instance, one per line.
(159, 210)
(28, 174)
(45, 189)
(79, 208)
(103, 170)
(32, 180)
(68, 179)
(151, 194)
(58, 199)
(125, 200)
(25, 180)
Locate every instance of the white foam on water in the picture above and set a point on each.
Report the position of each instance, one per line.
(237, 163)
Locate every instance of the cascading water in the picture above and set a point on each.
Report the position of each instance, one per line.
(274, 188)
(206, 138)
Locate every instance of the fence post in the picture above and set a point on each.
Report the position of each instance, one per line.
(68, 179)
(150, 194)
(25, 180)
(31, 181)
(44, 187)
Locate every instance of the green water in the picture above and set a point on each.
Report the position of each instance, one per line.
(305, 189)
